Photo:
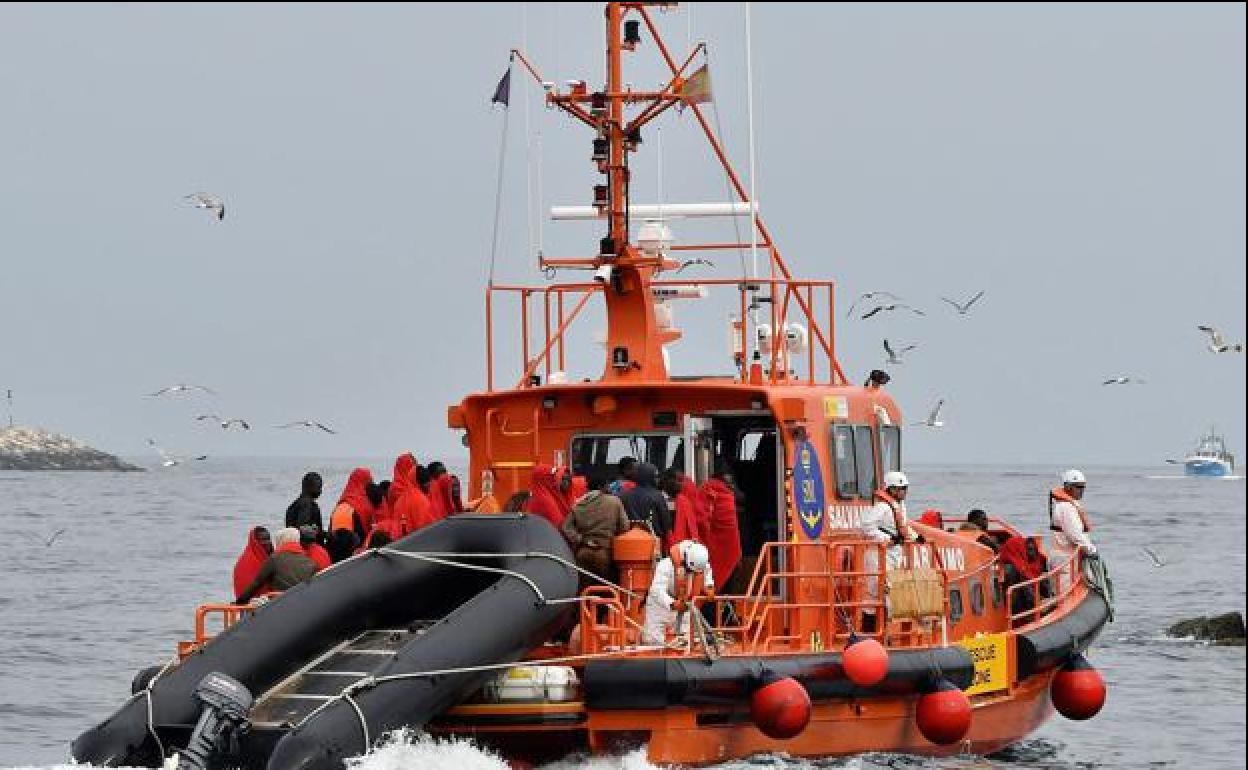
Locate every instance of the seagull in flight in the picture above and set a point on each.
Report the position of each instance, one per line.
(692, 262)
(1123, 381)
(891, 306)
(1157, 560)
(208, 202)
(933, 420)
(870, 295)
(182, 388)
(47, 541)
(894, 356)
(225, 424)
(307, 424)
(1217, 344)
(168, 460)
(963, 309)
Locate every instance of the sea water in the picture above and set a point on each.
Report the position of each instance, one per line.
(117, 589)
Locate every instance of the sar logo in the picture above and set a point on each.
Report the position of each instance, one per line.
(808, 490)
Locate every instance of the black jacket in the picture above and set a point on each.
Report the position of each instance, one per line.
(645, 503)
(304, 511)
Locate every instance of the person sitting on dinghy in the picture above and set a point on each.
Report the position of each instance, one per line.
(352, 518)
(304, 511)
(680, 577)
(259, 546)
(286, 568)
(308, 537)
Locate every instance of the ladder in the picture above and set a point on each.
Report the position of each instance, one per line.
(290, 701)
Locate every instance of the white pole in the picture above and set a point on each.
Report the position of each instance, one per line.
(532, 207)
(749, 108)
(658, 146)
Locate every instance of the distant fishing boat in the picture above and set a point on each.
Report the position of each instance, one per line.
(1210, 457)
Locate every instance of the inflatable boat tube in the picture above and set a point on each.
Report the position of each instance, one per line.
(1052, 645)
(656, 684)
(460, 612)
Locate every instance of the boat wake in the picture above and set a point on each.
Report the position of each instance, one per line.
(406, 749)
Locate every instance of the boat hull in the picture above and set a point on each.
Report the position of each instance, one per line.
(689, 712)
(1207, 468)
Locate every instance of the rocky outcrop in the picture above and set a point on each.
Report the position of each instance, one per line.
(1220, 629)
(33, 449)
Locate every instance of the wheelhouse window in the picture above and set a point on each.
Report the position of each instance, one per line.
(890, 448)
(592, 455)
(864, 452)
(842, 437)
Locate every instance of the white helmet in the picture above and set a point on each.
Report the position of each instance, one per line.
(895, 479)
(1073, 476)
(696, 556)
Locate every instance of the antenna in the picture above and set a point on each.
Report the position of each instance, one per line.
(10, 399)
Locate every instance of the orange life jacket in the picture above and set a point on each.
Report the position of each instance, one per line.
(343, 517)
(1059, 494)
(899, 519)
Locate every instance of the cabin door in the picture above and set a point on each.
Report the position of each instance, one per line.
(750, 448)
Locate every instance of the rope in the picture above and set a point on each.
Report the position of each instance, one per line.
(541, 598)
(359, 713)
(543, 555)
(498, 187)
(1101, 583)
(151, 717)
(368, 683)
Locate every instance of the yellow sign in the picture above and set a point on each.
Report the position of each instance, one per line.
(836, 407)
(991, 655)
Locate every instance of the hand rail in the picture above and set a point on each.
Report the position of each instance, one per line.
(1039, 607)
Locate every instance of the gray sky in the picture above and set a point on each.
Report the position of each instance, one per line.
(1082, 163)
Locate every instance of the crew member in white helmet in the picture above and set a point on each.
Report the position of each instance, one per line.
(886, 522)
(680, 576)
(1069, 522)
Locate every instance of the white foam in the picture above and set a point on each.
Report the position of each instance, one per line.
(406, 749)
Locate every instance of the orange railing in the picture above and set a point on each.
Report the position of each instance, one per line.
(548, 353)
(846, 589)
(229, 614)
(1059, 590)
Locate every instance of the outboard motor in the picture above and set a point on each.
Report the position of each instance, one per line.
(226, 704)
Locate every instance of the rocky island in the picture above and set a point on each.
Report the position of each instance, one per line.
(34, 449)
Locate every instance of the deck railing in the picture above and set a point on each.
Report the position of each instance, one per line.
(775, 301)
(1061, 580)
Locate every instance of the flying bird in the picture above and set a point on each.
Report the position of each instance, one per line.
(894, 356)
(307, 424)
(1217, 344)
(1157, 560)
(692, 262)
(1123, 381)
(47, 541)
(964, 308)
(891, 306)
(225, 424)
(208, 202)
(933, 420)
(168, 460)
(870, 295)
(182, 388)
